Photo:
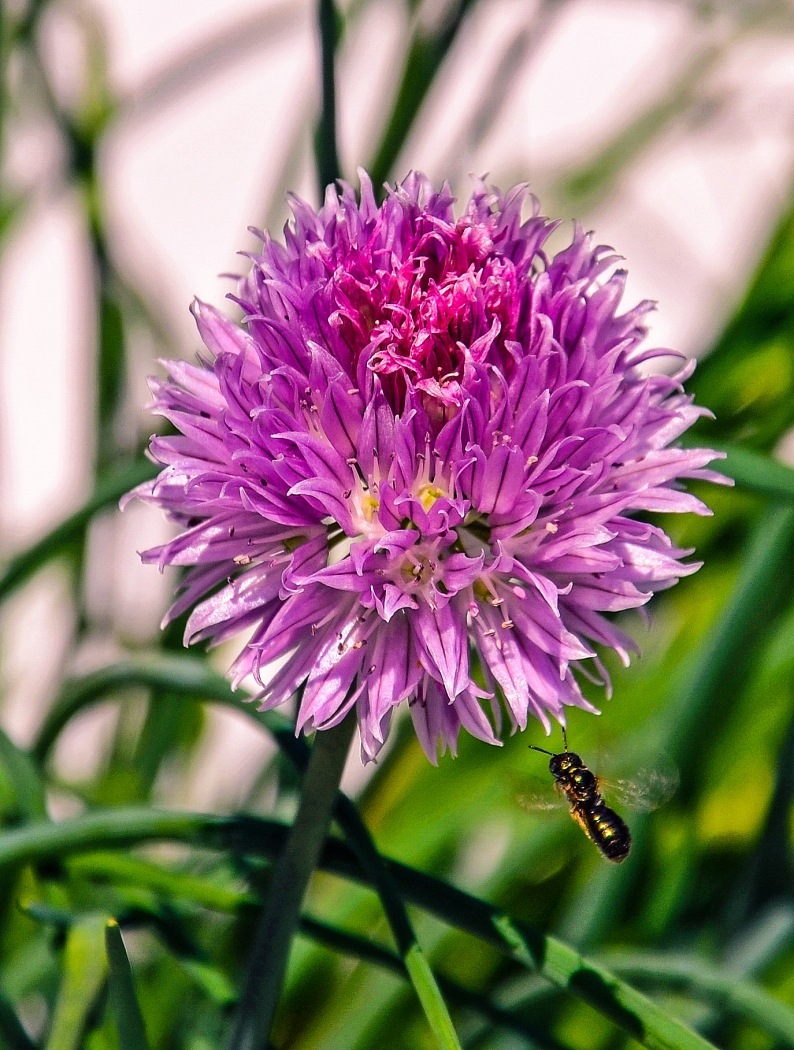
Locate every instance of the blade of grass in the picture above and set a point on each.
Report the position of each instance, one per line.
(413, 960)
(31, 803)
(717, 988)
(133, 871)
(581, 190)
(129, 1020)
(190, 677)
(193, 68)
(712, 674)
(360, 948)
(84, 970)
(433, 1005)
(705, 685)
(185, 676)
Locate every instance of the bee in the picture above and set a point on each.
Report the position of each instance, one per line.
(580, 786)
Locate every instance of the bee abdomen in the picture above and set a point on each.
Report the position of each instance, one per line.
(608, 831)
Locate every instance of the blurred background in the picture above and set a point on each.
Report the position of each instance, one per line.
(139, 141)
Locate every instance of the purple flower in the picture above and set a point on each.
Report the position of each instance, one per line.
(415, 474)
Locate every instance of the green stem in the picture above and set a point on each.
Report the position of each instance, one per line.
(187, 676)
(12, 1035)
(425, 57)
(430, 997)
(328, 170)
(281, 915)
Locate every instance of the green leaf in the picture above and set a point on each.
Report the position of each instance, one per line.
(104, 828)
(710, 676)
(212, 981)
(184, 676)
(747, 379)
(84, 970)
(350, 944)
(129, 1020)
(189, 677)
(646, 1022)
(280, 916)
(111, 368)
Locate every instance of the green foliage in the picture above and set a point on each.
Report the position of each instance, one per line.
(442, 913)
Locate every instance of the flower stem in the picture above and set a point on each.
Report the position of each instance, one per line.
(328, 170)
(281, 915)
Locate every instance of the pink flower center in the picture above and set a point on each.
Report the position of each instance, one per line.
(453, 300)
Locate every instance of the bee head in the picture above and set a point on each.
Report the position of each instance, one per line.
(564, 763)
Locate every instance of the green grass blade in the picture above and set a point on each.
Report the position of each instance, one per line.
(184, 676)
(419, 972)
(280, 917)
(108, 492)
(704, 688)
(84, 970)
(435, 1009)
(104, 829)
(637, 1015)
(715, 987)
(747, 379)
(712, 674)
(191, 678)
(129, 1020)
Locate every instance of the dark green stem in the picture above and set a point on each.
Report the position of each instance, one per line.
(281, 915)
(328, 169)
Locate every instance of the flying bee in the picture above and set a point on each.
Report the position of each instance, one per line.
(580, 786)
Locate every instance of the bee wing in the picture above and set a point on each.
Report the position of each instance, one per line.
(540, 796)
(646, 790)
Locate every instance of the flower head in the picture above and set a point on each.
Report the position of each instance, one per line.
(416, 473)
